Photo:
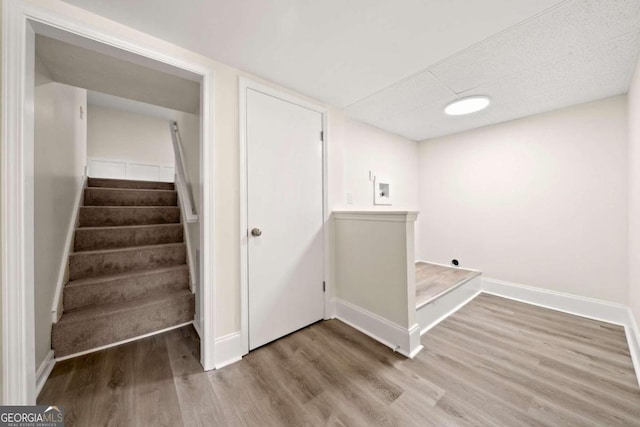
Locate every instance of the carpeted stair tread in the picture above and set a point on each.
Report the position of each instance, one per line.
(94, 238)
(82, 330)
(115, 261)
(102, 196)
(101, 216)
(120, 288)
(128, 272)
(122, 276)
(111, 309)
(123, 183)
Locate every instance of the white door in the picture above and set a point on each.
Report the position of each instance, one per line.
(284, 204)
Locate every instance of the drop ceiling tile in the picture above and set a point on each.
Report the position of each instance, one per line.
(599, 72)
(404, 96)
(567, 29)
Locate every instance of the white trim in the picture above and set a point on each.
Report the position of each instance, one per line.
(190, 259)
(128, 340)
(181, 176)
(73, 224)
(16, 210)
(243, 85)
(126, 165)
(633, 340)
(391, 216)
(44, 371)
(435, 311)
(405, 341)
(196, 326)
(123, 160)
(207, 220)
(228, 349)
(572, 304)
(448, 266)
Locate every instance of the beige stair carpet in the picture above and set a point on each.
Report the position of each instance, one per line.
(128, 273)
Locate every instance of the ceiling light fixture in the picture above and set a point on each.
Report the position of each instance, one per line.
(467, 105)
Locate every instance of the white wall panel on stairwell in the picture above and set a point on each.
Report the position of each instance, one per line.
(132, 137)
(60, 158)
(123, 169)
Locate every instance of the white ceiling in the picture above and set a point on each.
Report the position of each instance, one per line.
(101, 72)
(395, 64)
(117, 103)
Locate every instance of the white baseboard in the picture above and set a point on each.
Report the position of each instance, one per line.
(73, 224)
(228, 350)
(632, 332)
(447, 265)
(115, 344)
(44, 371)
(405, 341)
(567, 303)
(434, 312)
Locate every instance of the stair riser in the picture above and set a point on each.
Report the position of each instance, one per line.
(89, 264)
(87, 240)
(104, 217)
(108, 197)
(71, 338)
(124, 290)
(116, 183)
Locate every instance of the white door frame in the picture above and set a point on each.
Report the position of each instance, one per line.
(244, 85)
(16, 210)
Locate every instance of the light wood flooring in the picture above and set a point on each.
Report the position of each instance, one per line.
(433, 281)
(495, 362)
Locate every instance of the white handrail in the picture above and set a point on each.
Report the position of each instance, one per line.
(182, 179)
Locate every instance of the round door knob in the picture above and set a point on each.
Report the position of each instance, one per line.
(256, 232)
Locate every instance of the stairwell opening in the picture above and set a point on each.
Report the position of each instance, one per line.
(115, 251)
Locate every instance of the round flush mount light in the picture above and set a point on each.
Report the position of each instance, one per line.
(467, 105)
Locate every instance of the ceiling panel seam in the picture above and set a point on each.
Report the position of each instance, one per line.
(542, 64)
(471, 47)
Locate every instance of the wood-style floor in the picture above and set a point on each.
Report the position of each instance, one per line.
(433, 281)
(495, 362)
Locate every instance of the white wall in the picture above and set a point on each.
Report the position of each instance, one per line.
(60, 159)
(123, 135)
(226, 189)
(359, 148)
(374, 265)
(540, 201)
(633, 98)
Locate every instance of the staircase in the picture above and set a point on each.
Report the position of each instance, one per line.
(127, 274)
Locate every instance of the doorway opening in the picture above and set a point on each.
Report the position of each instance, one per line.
(29, 29)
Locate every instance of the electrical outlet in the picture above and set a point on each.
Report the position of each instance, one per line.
(349, 198)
